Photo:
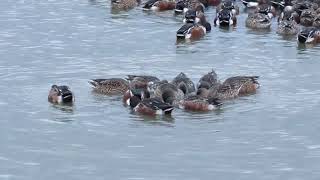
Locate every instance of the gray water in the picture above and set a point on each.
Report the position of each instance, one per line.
(273, 134)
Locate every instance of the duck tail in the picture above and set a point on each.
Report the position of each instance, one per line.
(93, 82)
(254, 79)
(168, 110)
(215, 101)
(130, 77)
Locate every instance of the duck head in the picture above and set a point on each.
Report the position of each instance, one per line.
(266, 10)
(228, 4)
(203, 92)
(180, 6)
(136, 95)
(190, 17)
(60, 95)
(307, 17)
(225, 17)
(307, 35)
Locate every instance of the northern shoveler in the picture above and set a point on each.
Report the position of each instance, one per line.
(60, 95)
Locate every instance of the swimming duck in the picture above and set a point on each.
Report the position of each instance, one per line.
(309, 35)
(182, 6)
(225, 18)
(142, 81)
(267, 10)
(159, 5)
(302, 5)
(113, 86)
(60, 95)
(288, 27)
(152, 107)
(198, 17)
(149, 106)
(140, 93)
(169, 93)
(124, 4)
(258, 21)
(236, 86)
(183, 82)
(198, 103)
(230, 5)
(306, 18)
(289, 13)
(208, 80)
(191, 31)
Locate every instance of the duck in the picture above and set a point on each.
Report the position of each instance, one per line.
(307, 17)
(288, 27)
(191, 31)
(159, 5)
(225, 18)
(266, 9)
(301, 5)
(142, 81)
(258, 21)
(230, 5)
(236, 86)
(169, 93)
(208, 80)
(309, 35)
(198, 103)
(192, 16)
(149, 106)
(112, 86)
(60, 95)
(124, 4)
(140, 93)
(182, 6)
(288, 13)
(183, 82)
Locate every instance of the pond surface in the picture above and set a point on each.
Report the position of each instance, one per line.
(273, 134)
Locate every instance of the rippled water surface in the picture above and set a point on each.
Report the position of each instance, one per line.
(273, 134)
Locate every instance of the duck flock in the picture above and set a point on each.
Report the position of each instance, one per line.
(150, 95)
(299, 18)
